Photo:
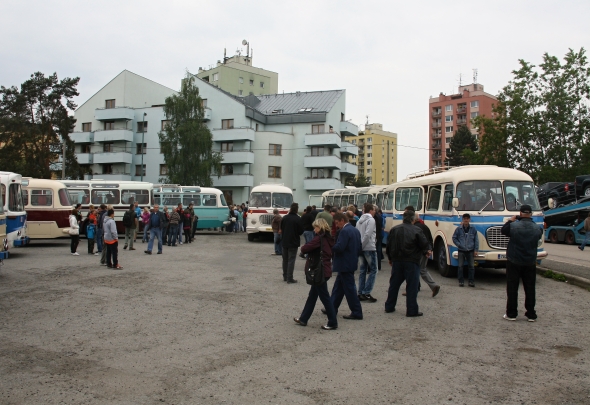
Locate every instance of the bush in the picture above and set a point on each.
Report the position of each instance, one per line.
(554, 276)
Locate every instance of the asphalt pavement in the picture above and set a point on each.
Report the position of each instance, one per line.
(568, 259)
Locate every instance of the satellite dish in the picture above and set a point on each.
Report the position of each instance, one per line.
(244, 42)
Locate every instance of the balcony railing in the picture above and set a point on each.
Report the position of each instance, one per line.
(436, 135)
(233, 180)
(436, 146)
(461, 110)
(437, 113)
(348, 129)
(436, 124)
(238, 156)
(461, 121)
(233, 134)
(117, 113)
(330, 139)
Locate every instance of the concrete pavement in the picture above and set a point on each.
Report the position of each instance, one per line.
(568, 259)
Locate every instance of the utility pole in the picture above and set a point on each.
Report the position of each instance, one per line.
(142, 147)
(63, 159)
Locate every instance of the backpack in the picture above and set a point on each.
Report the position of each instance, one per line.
(127, 221)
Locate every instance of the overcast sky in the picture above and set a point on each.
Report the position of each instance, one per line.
(390, 56)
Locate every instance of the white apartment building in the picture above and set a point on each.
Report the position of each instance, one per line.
(295, 139)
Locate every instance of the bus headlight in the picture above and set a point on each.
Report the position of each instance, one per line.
(253, 221)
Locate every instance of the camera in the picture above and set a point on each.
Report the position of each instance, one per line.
(518, 217)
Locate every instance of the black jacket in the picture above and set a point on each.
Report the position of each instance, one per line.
(426, 232)
(306, 221)
(524, 240)
(291, 230)
(378, 226)
(406, 243)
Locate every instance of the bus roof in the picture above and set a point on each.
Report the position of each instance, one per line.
(276, 188)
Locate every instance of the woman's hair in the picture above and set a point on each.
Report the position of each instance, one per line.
(308, 209)
(110, 207)
(351, 208)
(74, 211)
(91, 207)
(322, 224)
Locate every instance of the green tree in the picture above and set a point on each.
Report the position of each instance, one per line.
(33, 122)
(493, 147)
(358, 181)
(461, 144)
(186, 141)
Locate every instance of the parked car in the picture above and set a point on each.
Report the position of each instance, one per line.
(582, 185)
(561, 193)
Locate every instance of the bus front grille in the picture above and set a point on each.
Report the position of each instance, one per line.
(266, 219)
(495, 238)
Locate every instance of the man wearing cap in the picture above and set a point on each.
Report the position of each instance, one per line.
(521, 263)
(467, 242)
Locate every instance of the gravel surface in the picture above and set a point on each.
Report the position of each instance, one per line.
(212, 322)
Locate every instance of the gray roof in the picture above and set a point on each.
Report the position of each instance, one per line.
(292, 103)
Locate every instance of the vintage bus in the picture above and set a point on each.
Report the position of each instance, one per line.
(16, 216)
(374, 195)
(209, 203)
(490, 194)
(343, 197)
(48, 208)
(263, 200)
(3, 240)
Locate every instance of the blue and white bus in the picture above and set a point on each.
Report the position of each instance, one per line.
(490, 194)
(209, 203)
(3, 240)
(14, 208)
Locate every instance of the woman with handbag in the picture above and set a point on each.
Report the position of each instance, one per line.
(74, 232)
(318, 270)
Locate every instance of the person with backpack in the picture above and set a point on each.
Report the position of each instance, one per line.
(173, 233)
(91, 229)
(129, 222)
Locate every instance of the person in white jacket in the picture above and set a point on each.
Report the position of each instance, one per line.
(368, 258)
(74, 232)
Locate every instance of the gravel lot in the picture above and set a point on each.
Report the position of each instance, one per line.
(211, 322)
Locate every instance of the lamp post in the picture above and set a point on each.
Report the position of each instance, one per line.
(142, 147)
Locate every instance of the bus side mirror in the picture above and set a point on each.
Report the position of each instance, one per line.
(455, 202)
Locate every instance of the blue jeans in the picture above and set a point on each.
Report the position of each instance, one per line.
(278, 248)
(146, 229)
(410, 273)
(367, 261)
(172, 234)
(155, 232)
(585, 241)
(320, 291)
(99, 239)
(466, 257)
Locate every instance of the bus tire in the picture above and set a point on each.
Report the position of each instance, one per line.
(440, 259)
(570, 238)
(553, 236)
(251, 237)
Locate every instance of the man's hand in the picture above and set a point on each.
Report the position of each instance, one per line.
(475, 253)
(428, 253)
(513, 218)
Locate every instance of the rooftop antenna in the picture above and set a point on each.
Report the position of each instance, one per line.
(460, 79)
(367, 121)
(244, 42)
(475, 76)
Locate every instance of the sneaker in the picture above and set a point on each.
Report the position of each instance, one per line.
(326, 327)
(461, 285)
(471, 284)
(118, 267)
(124, 247)
(580, 247)
(76, 254)
(181, 243)
(532, 320)
(131, 248)
(96, 254)
(159, 253)
(147, 252)
(370, 298)
(435, 291)
(362, 297)
(508, 318)
(291, 281)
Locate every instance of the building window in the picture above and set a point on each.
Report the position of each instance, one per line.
(354, 141)
(142, 126)
(369, 155)
(165, 124)
(204, 102)
(448, 130)
(256, 127)
(274, 149)
(320, 151)
(369, 147)
(321, 173)
(108, 147)
(109, 125)
(228, 194)
(227, 146)
(140, 170)
(107, 168)
(369, 171)
(141, 147)
(240, 92)
(241, 80)
(449, 118)
(163, 170)
(215, 77)
(87, 127)
(110, 104)
(369, 140)
(369, 163)
(448, 140)
(262, 84)
(251, 82)
(474, 114)
(85, 148)
(227, 169)
(227, 124)
(318, 129)
(449, 108)
(475, 104)
(274, 172)
(162, 144)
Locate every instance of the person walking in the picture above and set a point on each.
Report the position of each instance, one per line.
(276, 230)
(166, 226)
(91, 229)
(102, 211)
(156, 221)
(74, 232)
(173, 233)
(368, 258)
(240, 220)
(307, 222)
(145, 219)
(467, 242)
(521, 263)
(291, 231)
(191, 212)
(587, 230)
(111, 239)
(379, 236)
(319, 248)
(104, 216)
(346, 251)
(129, 222)
(406, 244)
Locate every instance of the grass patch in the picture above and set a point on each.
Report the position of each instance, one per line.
(554, 276)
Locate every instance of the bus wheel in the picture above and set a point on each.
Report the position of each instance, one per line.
(251, 237)
(440, 258)
(570, 238)
(553, 236)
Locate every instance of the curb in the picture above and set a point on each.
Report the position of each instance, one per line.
(571, 279)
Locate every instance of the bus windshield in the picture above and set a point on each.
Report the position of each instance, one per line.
(518, 193)
(476, 195)
(282, 200)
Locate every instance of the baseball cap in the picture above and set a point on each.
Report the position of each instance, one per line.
(526, 209)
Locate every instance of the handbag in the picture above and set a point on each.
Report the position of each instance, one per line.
(314, 274)
(233, 219)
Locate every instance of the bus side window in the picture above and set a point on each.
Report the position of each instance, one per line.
(408, 196)
(389, 201)
(448, 198)
(433, 198)
(26, 197)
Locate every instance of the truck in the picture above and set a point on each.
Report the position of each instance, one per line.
(566, 224)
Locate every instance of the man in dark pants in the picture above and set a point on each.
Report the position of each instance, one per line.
(345, 252)
(379, 236)
(524, 237)
(291, 231)
(406, 244)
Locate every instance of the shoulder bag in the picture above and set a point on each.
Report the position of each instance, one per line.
(314, 274)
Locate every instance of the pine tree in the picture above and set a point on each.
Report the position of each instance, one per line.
(462, 143)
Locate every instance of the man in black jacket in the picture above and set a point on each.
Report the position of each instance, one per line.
(291, 231)
(379, 236)
(406, 245)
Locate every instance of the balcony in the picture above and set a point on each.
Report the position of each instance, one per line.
(347, 148)
(117, 113)
(461, 110)
(113, 157)
(84, 158)
(349, 168)
(113, 135)
(461, 121)
(436, 124)
(348, 129)
(238, 156)
(436, 155)
(321, 184)
(207, 114)
(82, 137)
(328, 162)
(436, 113)
(330, 139)
(233, 134)
(233, 180)
(436, 146)
(436, 135)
